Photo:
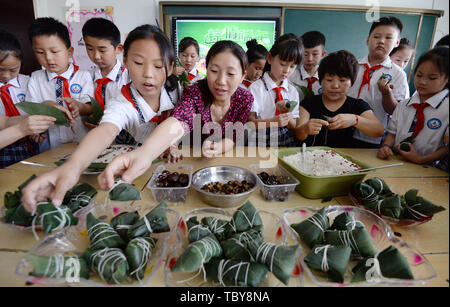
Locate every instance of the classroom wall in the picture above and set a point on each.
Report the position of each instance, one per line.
(131, 13)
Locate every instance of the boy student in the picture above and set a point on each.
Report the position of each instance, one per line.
(379, 82)
(102, 40)
(61, 83)
(307, 73)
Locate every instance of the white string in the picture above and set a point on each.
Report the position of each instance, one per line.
(347, 238)
(108, 256)
(59, 266)
(116, 183)
(147, 224)
(314, 220)
(324, 265)
(99, 229)
(416, 214)
(198, 228)
(250, 222)
(264, 250)
(146, 248)
(221, 272)
(63, 218)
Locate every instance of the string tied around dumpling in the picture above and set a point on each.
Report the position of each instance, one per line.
(146, 248)
(62, 218)
(264, 250)
(249, 221)
(58, 271)
(222, 271)
(416, 214)
(216, 227)
(353, 222)
(198, 228)
(98, 230)
(107, 256)
(82, 197)
(347, 238)
(318, 222)
(147, 224)
(324, 265)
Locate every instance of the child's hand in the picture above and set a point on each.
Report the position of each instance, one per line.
(314, 125)
(342, 121)
(35, 124)
(283, 119)
(411, 155)
(211, 149)
(281, 106)
(74, 106)
(129, 166)
(172, 154)
(385, 152)
(178, 70)
(38, 138)
(67, 113)
(384, 86)
(89, 125)
(52, 185)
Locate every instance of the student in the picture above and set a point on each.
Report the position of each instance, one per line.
(272, 92)
(102, 41)
(15, 125)
(61, 83)
(424, 116)
(189, 54)
(256, 56)
(306, 75)
(401, 55)
(383, 96)
(331, 118)
(218, 99)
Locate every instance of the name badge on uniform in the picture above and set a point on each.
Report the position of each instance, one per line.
(434, 123)
(21, 97)
(76, 88)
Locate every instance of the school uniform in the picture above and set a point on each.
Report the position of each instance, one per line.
(107, 88)
(302, 78)
(265, 93)
(11, 93)
(246, 84)
(366, 88)
(436, 122)
(45, 85)
(194, 75)
(131, 112)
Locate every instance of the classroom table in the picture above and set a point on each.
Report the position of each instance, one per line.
(430, 238)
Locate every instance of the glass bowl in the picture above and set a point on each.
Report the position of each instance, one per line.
(273, 232)
(382, 236)
(75, 240)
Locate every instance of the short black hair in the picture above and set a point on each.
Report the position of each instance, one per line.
(49, 26)
(288, 47)
(9, 45)
(341, 63)
(439, 57)
(102, 28)
(313, 39)
(387, 21)
(404, 44)
(186, 42)
(255, 51)
(444, 41)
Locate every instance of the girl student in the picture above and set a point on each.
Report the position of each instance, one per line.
(15, 144)
(140, 106)
(272, 92)
(421, 122)
(189, 54)
(402, 54)
(256, 55)
(331, 118)
(219, 101)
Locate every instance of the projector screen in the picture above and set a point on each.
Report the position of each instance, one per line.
(208, 31)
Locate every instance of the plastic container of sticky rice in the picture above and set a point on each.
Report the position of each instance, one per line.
(323, 172)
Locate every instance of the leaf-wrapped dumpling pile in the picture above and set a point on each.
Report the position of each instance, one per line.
(375, 194)
(57, 266)
(234, 252)
(124, 191)
(311, 230)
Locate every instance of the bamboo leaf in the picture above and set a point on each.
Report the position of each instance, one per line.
(44, 109)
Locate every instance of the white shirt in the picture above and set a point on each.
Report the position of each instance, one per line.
(42, 86)
(373, 95)
(122, 113)
(299, 77)
(118, 76)
(264, 96)
(431, 137)
(17, 91)
(197, 74)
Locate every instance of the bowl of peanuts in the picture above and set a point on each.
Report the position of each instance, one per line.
(224, 186)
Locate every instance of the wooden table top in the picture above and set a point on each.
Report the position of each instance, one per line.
(432, 238)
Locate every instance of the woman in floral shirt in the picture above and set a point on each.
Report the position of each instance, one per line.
(218, 100)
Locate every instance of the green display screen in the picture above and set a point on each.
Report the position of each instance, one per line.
(209, 31)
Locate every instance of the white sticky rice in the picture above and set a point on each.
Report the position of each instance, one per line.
(321, 163)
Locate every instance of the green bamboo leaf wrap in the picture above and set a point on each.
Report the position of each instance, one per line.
(43, 109)
(56, 266)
